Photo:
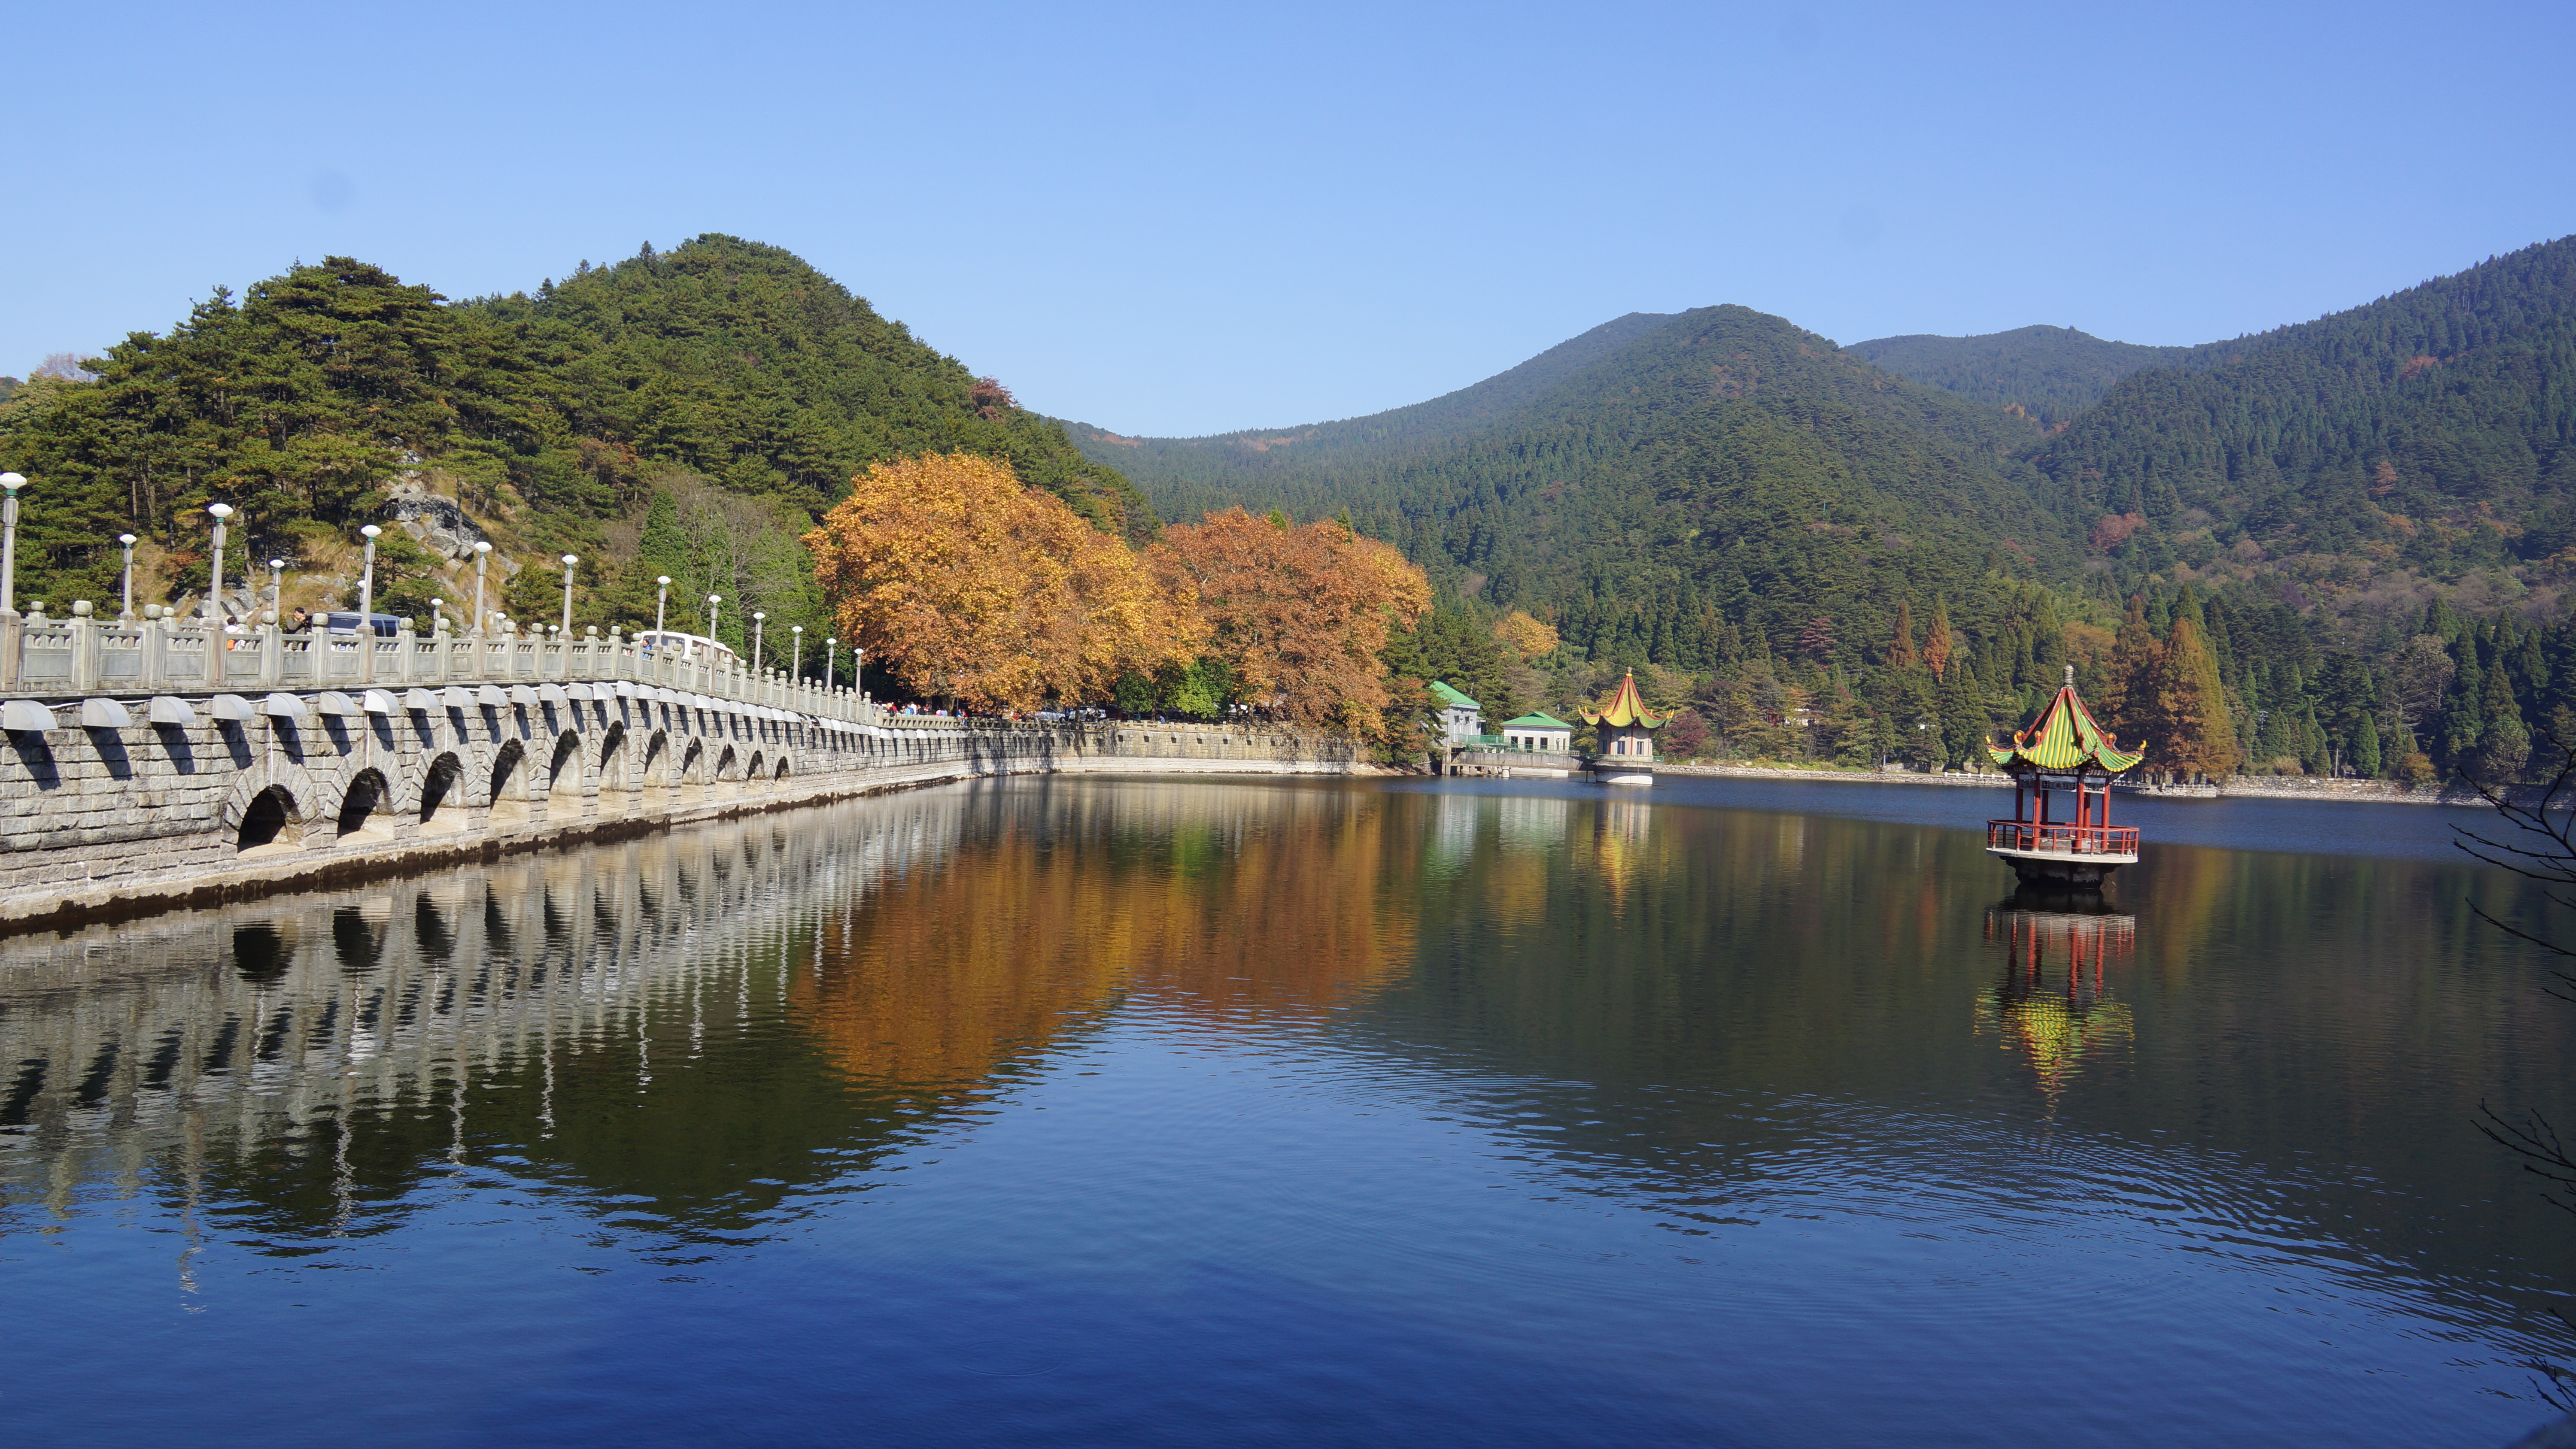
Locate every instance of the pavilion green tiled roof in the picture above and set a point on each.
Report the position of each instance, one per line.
(1451, 699)
(2064, 737)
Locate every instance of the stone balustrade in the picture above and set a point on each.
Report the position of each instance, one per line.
(79, 657)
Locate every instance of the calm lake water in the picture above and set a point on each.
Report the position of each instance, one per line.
(1112, 1112)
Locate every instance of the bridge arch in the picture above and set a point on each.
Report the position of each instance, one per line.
(509, 791)
(366, 806)
(437, 783)
(693, 773)
(614, 794)
(270, 820)
(564, 770)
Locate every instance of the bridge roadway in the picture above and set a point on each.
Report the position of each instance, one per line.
(151, 765)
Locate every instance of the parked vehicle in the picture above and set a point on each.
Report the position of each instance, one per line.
(386, 624)
(687, 646)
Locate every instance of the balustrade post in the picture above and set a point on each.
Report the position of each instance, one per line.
(84, 648)
(405, 638)
(150, 668)
(272, 653)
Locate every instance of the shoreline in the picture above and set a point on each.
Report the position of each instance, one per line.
(2246, 787)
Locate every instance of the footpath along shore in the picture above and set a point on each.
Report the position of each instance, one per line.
(2252, 787)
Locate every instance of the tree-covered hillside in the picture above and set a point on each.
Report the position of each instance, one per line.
(2427, 431)
(2047, 373)
(1690, 487)
(1191, 476)
(724, 375)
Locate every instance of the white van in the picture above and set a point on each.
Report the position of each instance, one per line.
(687, 646)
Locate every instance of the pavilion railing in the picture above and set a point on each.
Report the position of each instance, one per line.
(2062, 839)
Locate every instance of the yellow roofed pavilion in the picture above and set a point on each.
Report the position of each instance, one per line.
(2064, 738)
(2063, 750)
(1624, 733)
(1624, 709)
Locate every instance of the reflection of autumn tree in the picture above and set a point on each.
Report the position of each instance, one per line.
(967, 584)
(1302, 614)
(1264, 901)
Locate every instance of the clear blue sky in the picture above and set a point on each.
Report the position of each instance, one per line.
(1193, 218)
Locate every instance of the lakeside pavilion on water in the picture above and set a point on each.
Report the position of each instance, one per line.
(1622, 726)
(2063, 750)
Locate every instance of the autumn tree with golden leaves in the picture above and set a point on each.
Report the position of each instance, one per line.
(968, 585)
(1302, 614)
(1525, 635)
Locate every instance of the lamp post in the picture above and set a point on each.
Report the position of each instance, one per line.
(661, 604)
(715, 606)
(437, 617)
(214, 614)
(367, 584)
(756, 617)
(482, 554)
(569, 561)
(796, 651)
(10, 483)
(859, 671)
(276, 588)
(831, 648)
(128, 540)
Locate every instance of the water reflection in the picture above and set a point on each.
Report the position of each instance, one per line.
(1480, 1088)
(2056, 1029)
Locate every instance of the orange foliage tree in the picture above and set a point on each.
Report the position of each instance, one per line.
(1302, 614)
(964, 583)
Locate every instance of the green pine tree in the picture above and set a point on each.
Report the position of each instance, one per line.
(2365, 748)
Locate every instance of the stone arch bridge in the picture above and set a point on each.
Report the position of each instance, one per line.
(378, 761)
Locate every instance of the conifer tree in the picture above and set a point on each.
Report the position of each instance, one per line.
(1938, 641)
(2191, 717)
(2365, 748)
(2127, 703)
(1900, 653)
(2461, 727)
(2505, 743)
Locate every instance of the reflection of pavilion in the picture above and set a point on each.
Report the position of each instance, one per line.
(2055, 1029)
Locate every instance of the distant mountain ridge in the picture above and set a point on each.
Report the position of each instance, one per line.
(2050, 373)
(2426, 434)
(1658, 475)
(1187, 476)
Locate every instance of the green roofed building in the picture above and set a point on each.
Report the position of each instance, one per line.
(1544, 733)
(1461, 718)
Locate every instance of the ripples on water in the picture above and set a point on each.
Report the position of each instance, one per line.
(1116, 1112)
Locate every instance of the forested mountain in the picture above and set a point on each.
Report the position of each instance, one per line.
(2047, 373)
(1669, 486)
(1190, 476)
(723, 373)
(2366, 522)
(2428, 430)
